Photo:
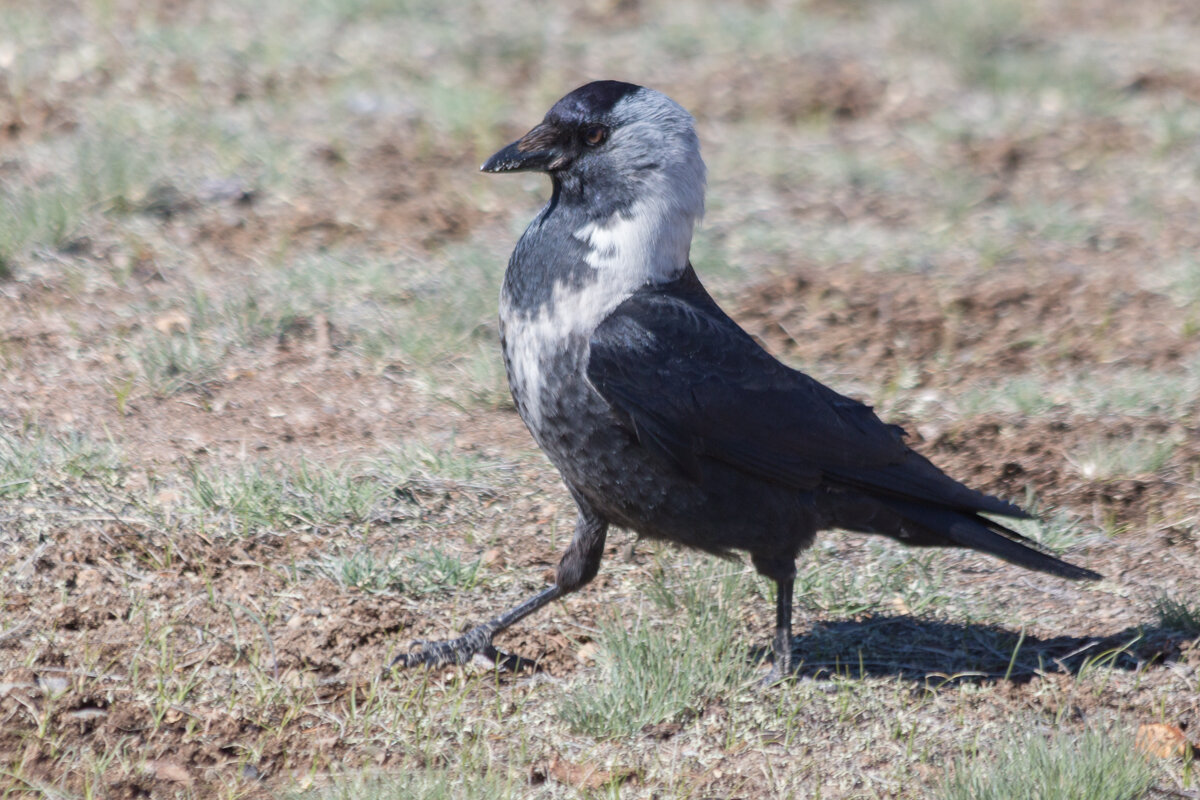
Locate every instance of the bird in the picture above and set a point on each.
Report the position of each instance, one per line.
(663, 416)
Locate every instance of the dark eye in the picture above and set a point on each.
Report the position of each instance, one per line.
(595, 135)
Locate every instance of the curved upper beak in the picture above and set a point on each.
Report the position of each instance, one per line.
(537, 150)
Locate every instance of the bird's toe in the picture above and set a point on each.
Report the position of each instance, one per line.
(773, 677)
(424, 653)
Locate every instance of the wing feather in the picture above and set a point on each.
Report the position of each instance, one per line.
(695, 386)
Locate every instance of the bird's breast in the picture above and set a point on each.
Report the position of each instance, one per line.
(545, 349)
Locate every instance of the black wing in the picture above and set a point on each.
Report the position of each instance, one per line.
(694, 386)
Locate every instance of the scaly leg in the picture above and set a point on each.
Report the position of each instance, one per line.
(780, 568)
(578, 566)
(781, 645)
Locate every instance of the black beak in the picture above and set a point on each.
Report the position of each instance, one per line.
(539, 150)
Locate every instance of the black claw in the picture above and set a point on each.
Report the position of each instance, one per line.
(450, 651)
(435, 654)
(477, 640)
(772, 678)
(460, 651)
(511, 662)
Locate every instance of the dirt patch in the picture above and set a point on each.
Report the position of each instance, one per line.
(805, 86)
(954, 334)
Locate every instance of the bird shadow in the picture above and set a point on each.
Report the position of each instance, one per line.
(943, 652)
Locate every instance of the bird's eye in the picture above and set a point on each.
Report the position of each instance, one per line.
(595, 135)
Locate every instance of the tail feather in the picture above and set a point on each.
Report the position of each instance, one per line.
(988, 536)
(916, 479)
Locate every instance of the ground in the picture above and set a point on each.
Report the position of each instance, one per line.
(255, 437)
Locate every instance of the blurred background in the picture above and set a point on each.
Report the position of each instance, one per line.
(318, 157)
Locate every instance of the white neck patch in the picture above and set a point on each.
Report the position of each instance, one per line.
(639, 247)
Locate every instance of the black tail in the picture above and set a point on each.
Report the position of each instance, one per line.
(961, 529)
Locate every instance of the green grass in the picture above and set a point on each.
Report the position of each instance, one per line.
(423, 784)
(273, 497)
(442, 311)
(1049, 222)
(996, 46)
(464, 113)
(417, 462)
(262, 497)
(892, 574)
(1184, 287)
(1113, 459)
(1139, 392)
(1054, 528)
(301, 146)
(106, 170)
(653, 672)
(976, 38)
(413, 573)
(1128, 391)
(48, 214)
(433, 319)
(1178, 615)
(31, 455)
(364, 571)
(435, 570)
(1024, 395)
(482, 381)
(172, 361)
(1063, 766)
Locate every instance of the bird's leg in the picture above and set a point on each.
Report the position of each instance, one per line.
(782, 570)
(476, 640)
(579, 564)
(781, 645)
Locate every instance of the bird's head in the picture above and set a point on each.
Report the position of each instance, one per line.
(613, 144)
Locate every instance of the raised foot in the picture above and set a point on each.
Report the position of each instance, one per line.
(477, 641)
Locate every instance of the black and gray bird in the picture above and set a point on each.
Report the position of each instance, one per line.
(663, 416)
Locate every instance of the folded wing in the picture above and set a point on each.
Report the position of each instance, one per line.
(695, 386)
